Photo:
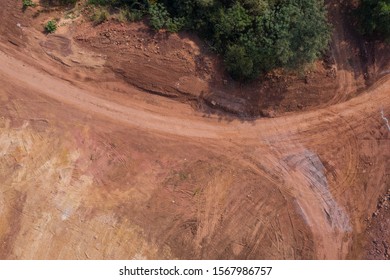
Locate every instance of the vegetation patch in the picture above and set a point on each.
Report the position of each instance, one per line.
(51, 26)
(28, 3)
(252, 36)
(100, 15)
(374, 17)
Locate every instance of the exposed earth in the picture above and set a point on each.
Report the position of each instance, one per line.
(94, 166)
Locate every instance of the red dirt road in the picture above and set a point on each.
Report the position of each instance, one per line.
(88, 172)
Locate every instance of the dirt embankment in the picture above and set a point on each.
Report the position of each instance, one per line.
(181, 66)
(92, 168)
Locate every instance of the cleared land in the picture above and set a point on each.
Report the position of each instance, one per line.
(91, 167)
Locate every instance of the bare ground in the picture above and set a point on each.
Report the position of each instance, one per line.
(94, 168)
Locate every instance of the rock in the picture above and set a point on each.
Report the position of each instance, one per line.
(268, 113)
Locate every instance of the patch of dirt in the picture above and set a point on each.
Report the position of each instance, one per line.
(377, 238)
(94, 168)
(161, 63)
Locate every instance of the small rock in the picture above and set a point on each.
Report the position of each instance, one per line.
(268, 113)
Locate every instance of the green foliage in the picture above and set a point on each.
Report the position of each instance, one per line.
(135, 15)
(374, 17)
(28, 3)
(100, 15)
(174, 24)
(239, 63)
(158, 16)
(300, 32)
(125, 14)
(51, 26)
(256, 36)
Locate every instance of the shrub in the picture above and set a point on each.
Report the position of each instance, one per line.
(28, 3)
(158, 16)
(374, 17)
(123, 15)
(239, 63)
(135, 15)
(126, 14)
(174, 25)
(51, 26)
(100, 15)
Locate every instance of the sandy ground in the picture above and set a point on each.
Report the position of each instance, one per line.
(94, 168)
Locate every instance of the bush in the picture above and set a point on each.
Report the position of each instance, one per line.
(100, 15)
(374, 17)
(239, 63)
(123, 15)
(158, 16)
(28, 3)
(135, 15)
(174, 25)
(51, 26)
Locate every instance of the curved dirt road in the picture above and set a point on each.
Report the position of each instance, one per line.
(373, 102)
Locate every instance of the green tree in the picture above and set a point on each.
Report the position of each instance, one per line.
(374, 17)
(239, 63)
(159, 16)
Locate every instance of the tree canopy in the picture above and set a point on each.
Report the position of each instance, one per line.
(375, 17)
